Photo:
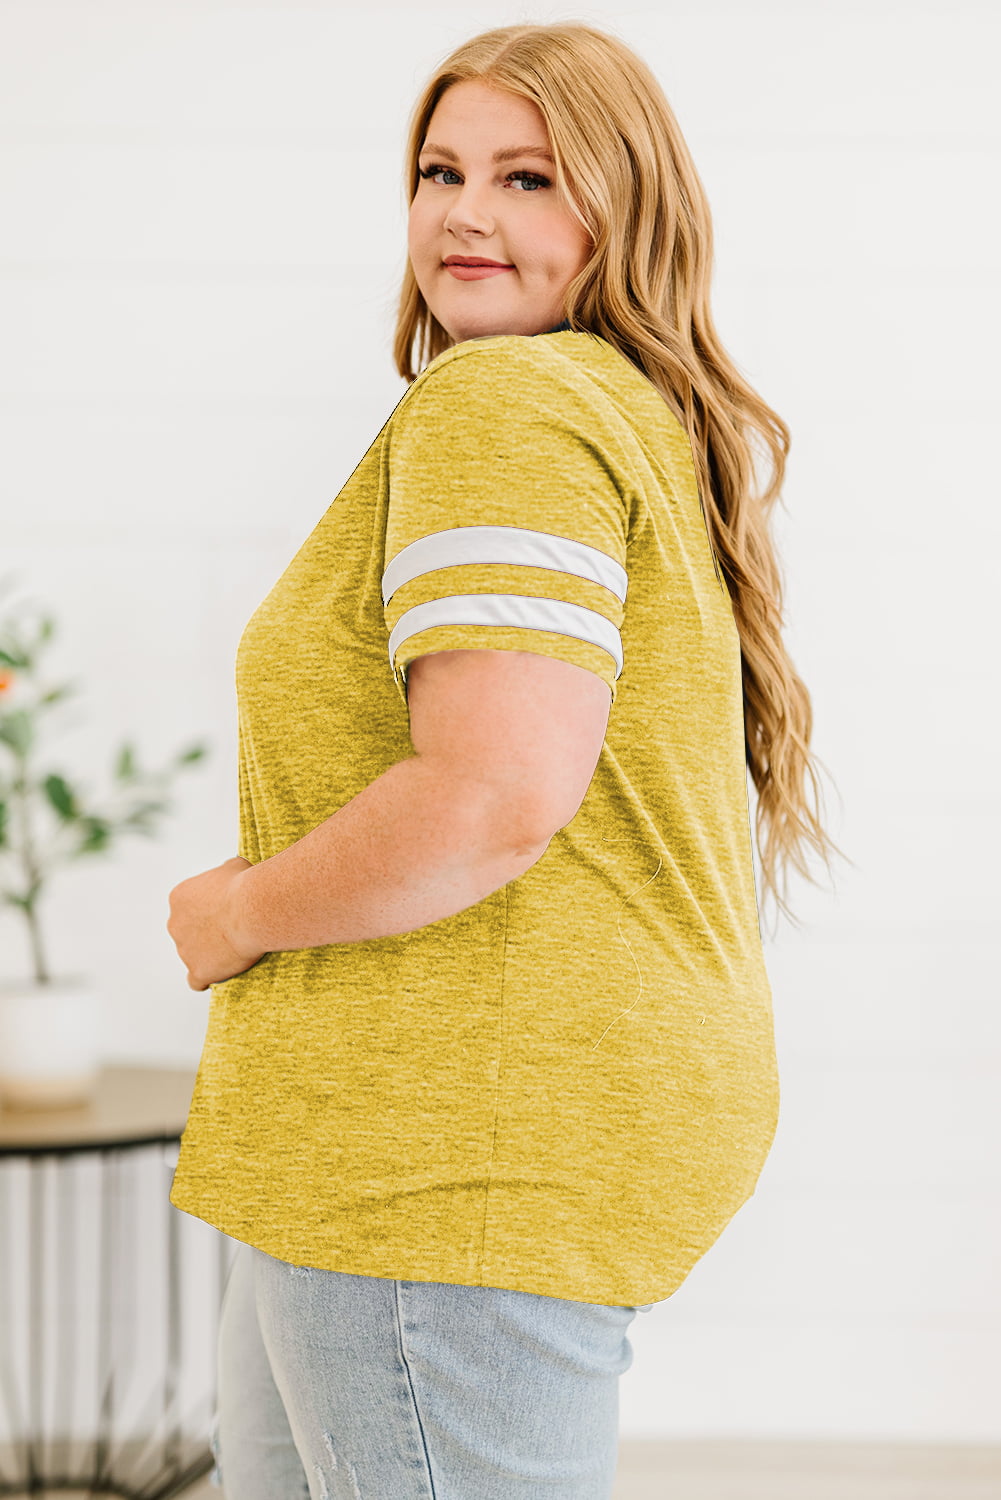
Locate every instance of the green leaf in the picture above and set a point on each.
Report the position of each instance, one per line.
(12, 652)
(145, 809)
(3, 825)
(97, 835)
(193, 753)
(57, 693)
(62, 797)
(17, 653)
(47, 629)
(125, 768)
(16, 731)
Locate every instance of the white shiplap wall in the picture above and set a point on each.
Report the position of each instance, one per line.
(201, 236)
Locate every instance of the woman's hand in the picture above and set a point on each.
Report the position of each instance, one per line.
(200, 925)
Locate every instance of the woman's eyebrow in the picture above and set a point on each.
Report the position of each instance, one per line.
(509, 153)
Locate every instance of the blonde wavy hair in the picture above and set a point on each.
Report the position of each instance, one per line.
(623, 165)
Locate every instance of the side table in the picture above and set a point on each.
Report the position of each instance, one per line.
(109, 1296)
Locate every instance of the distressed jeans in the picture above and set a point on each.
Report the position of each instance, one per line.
(334, 1386)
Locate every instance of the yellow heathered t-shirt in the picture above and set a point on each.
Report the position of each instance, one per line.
(570, 1087)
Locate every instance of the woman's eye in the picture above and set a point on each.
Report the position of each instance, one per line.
(433, 171)
(535, 179)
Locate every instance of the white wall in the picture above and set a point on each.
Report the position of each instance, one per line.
(202, 236)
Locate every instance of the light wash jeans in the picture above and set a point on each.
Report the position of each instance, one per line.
(333, 1386)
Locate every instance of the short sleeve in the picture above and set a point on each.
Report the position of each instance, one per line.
(507, 516)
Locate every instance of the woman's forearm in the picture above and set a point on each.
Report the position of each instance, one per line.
(415, 846)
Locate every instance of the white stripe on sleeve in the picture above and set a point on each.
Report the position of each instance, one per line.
(510, 609)
(475, 545)
(465, 545)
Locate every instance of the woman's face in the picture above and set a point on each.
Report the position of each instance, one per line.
(478, 208)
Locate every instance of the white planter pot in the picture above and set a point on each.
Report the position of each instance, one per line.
(50, 1043)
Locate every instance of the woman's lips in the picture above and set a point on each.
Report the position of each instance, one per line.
(476, 273)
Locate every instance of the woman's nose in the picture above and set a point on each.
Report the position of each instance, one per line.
(468, 211)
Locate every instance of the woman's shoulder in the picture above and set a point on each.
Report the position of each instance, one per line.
(513, 369)
(528, 350)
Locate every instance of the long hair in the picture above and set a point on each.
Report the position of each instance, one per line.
(624, 168)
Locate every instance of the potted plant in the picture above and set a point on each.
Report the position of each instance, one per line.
(49, 1025)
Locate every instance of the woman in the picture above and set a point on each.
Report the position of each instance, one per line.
(490, 1059)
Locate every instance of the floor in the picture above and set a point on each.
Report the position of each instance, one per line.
(791, 1471)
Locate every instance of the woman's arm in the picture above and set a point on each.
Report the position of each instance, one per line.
(418, 844)
(507, 743)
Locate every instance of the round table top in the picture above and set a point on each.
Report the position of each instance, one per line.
(131, 1106)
